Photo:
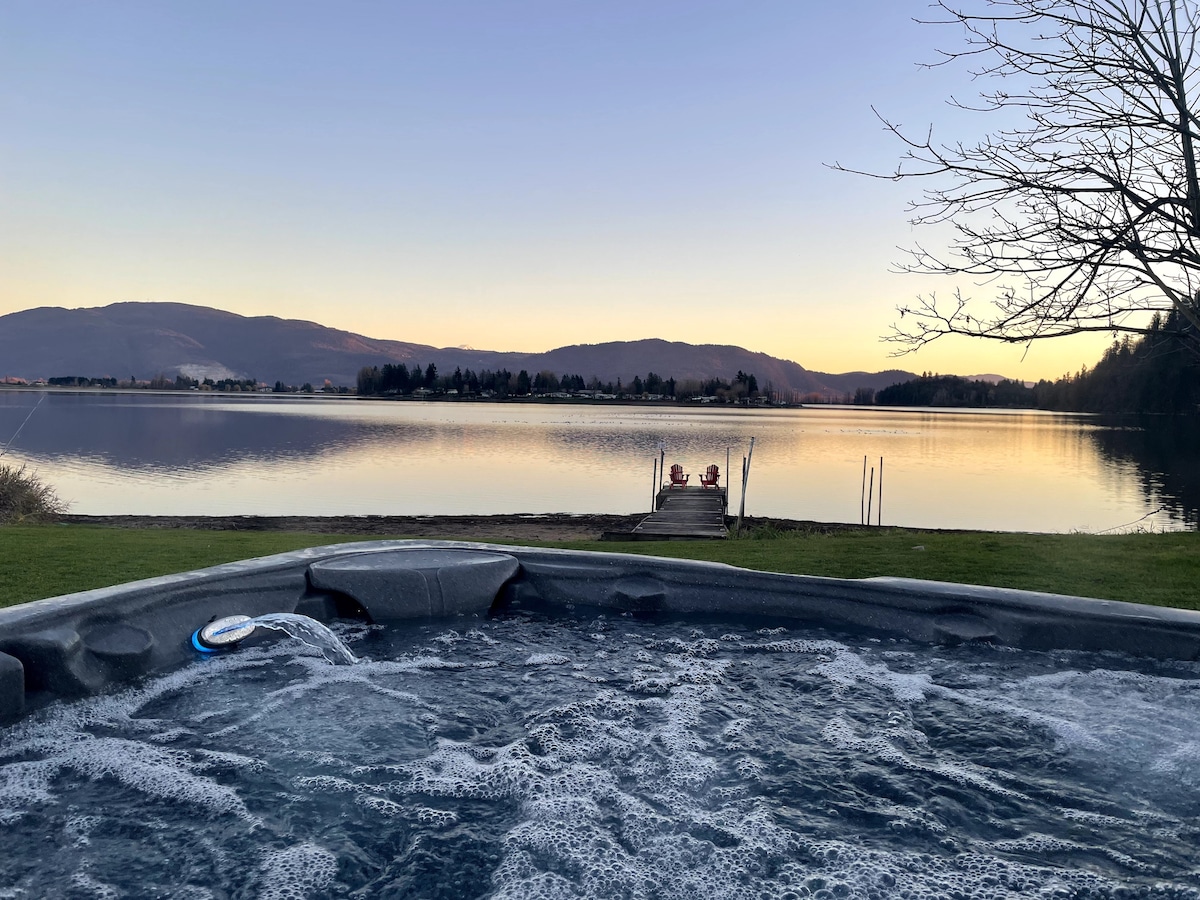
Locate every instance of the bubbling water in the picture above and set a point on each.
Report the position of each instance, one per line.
(611, 758)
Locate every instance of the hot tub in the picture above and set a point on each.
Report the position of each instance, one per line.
(539, 723)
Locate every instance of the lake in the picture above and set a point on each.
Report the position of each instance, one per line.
(189, 454)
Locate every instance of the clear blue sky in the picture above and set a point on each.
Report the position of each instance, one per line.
(504, 175)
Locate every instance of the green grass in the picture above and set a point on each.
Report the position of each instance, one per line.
(1161, 569)
(48, 560)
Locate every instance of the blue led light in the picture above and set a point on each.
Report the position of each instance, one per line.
(199, 646)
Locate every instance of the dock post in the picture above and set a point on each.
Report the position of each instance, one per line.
(879, 510)
(745, 478)
(870, 495)
(862, 496)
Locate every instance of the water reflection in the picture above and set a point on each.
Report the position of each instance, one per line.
(188, 454)
(1162, 451)
(128, 432)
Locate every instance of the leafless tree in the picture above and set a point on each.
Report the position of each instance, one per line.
(1080, 211)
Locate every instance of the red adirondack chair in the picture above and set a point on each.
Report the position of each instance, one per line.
(678, 479)
(710, 477)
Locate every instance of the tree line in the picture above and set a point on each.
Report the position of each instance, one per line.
(952, 390)
(396, 379)
(1154, 373)
(81, 381)
(162, 382)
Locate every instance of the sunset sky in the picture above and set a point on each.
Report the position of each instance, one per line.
(503, 174)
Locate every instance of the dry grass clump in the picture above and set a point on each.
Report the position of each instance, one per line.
(26, 498)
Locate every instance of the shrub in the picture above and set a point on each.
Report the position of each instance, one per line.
(26, 498)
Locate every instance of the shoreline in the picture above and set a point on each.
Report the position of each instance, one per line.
(505, 527)
(348, 395)
(508, 527)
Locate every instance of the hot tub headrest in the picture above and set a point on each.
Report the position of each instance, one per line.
(393, 585)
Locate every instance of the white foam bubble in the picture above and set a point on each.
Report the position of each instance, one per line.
(547, 659)
(296, 873)
(437, 818)
(797, 645)
(151, 771)
(381, 805)
(699, 646)
(328, 783)
(211, 759)
(79, 828)
(24, 785)
(734, 733)
(842, 733)
(848, 669)
(83, 881)
(1182, 761)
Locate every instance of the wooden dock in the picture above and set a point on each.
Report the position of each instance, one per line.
(681, 514)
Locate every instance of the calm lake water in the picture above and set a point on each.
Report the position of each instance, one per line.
(165, 454)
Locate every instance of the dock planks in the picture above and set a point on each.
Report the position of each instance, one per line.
(689, 513)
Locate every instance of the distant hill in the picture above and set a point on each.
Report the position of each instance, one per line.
(149, 339)
(146, 339)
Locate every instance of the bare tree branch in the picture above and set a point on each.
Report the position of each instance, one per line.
(1085, 215)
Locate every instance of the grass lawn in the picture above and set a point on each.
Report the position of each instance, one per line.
(48, 560)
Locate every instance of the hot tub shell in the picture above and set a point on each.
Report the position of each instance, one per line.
(80, 644)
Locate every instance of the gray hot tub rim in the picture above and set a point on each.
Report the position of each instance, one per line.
(81, 644)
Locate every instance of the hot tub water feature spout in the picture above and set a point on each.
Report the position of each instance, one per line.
(228, 632)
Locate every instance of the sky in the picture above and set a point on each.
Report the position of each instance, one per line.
(500, 174)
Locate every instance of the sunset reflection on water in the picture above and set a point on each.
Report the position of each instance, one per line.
(216, 455)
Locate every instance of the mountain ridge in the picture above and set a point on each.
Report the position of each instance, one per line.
(143, 339)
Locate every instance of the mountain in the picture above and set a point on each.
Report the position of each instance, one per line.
(148, 339)
(849, 382)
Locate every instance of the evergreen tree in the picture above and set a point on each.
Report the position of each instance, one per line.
(367, 383)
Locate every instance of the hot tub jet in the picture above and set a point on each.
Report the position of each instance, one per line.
(222, 634)
(228, 632)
